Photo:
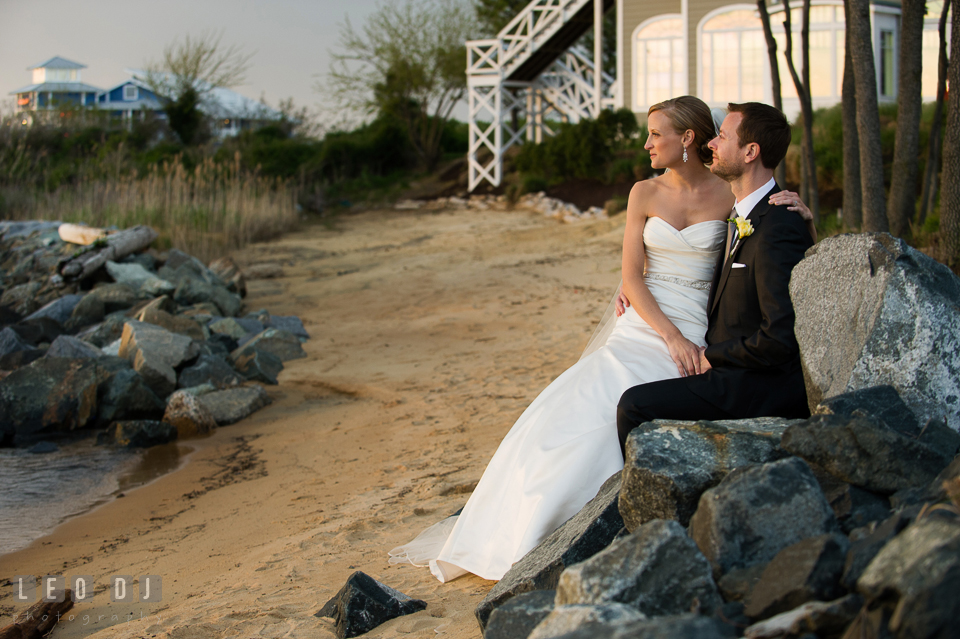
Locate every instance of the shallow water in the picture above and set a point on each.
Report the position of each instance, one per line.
(41, 491)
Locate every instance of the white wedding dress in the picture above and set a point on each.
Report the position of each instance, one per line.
(564, 446)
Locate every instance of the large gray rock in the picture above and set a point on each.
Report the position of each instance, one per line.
(256, 365)
(286, 346)
(209, 368)
(863, 452)
(173, 323)
(582, 536)
(67, 346)
(869, 541)
(11, 342)
(89, 310)
(517, 618)
(154, 353)
(58, 310)
(920, 567)
(228, 271)
(364, 603)
(658, 570)
(228, 326)
(123, 395)
(871, 310)
(756, 512)
(570, 618)
(289, 323)
(22, 298)
(138, 434)
(232, 405)
(139, 278)
(115, 297)
(809, 570)
(827, 618)
(881, 402)
(190, 417)
(688, 626)
(52, 395)
(670, 463)
(107, 331)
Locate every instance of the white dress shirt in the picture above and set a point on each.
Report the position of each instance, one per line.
(746, 205)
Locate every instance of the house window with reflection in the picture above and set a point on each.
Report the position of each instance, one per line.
(733, 57)
(660, 66)
(827, 42)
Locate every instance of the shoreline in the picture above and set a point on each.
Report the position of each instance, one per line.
(430, 333)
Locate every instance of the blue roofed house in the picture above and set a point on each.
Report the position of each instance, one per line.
(56, 86)
(131, 99)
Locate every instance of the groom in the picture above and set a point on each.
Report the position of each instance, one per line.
(752, 364)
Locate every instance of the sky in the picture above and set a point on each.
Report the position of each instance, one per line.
(290, 38)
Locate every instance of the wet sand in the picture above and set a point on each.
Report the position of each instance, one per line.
(431, 331)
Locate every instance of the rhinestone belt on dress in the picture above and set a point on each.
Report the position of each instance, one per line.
(682, 281)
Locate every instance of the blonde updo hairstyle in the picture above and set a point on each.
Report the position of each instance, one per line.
(688, 112)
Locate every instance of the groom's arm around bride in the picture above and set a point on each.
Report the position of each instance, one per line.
(752, 353)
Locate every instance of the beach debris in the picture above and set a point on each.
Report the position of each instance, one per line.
(188, 415)
(670, 464)
(142, 433)
(658, 570)
(114, 247)
(757, 511)
(809, 570)
(582, 536)
(871, 310)
(364, 603)
(233, 404)
(80, 234)
(39, 619)
(519, 616)
(567, 618)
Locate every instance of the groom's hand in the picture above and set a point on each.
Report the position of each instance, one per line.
(704, 362)
(622, 303)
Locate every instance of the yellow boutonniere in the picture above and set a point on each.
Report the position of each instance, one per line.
(744, 227)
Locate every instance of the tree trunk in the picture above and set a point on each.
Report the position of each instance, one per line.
(780, 174)
(950, 194)
(868, 117)
(852, 199)
(116, 246)
(929, 194)
(809, 189)
(38, 620)
(903, 184)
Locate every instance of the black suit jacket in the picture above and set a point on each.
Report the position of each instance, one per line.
(751, 344)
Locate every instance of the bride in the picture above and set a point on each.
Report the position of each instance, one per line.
(564, 445)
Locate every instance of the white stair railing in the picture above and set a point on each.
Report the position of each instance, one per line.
(502, 111)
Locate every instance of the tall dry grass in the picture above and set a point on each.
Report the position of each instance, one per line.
(206, 212)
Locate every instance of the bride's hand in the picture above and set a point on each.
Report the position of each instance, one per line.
(621, 304)
(793, 203)
(686, 355)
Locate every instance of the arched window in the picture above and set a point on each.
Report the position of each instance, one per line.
(732, 57)
(827, 33)
(660, 61)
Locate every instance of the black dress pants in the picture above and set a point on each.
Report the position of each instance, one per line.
(666, 399)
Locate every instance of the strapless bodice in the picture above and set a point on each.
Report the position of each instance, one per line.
(689, 254)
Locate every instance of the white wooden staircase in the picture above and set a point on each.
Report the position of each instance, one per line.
(530, 75)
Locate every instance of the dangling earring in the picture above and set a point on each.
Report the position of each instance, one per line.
(684, 154)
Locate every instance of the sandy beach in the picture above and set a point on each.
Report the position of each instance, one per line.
(431, 331)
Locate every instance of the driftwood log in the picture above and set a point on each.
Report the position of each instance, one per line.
(38, 620)
(113, 248)
(77, 234)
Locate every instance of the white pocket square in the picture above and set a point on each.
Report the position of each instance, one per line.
(738, 265)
